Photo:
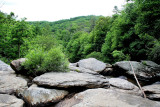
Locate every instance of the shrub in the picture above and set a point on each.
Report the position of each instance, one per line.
(44, 57)
(97, 55)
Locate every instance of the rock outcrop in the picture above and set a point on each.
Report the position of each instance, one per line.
(92, 64)
(71, 79)
(106, 98)
(10, 101)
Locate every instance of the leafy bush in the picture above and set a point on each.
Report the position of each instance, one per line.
(119, 56)
(97, 55)
(45, 57)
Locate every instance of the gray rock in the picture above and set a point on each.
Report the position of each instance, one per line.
(71, 79)
(122, 84)
(106, 98)
(154, 88)
(73, 64)
(10, 83)
(144, 71)
(82, 70)
(16, 64)
(152, 91)
(5, 68)
(10, 101)
(38, 96)
(92, 64)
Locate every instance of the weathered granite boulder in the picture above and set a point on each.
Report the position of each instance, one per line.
(10, 83)
(5, 68)
(10, 101)
(38, 96)
(92, 64)
(82, 70)
(106, 98)
(125, 86)
(152, 91)
(71, 79)
(145, 70)
(16, 65)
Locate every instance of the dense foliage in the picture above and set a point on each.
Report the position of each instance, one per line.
(129, 34)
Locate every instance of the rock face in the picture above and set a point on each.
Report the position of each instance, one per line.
(152, 91)
(71, 79)
(37, 96)
(10, 101)
(92, 64)
(16, 64)
(106, 98)
(10, 83)
(145, 70)
(4, 68)
(124, 86)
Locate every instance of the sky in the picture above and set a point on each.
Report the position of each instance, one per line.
(53, 10)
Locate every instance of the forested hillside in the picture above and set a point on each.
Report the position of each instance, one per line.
(129, 34)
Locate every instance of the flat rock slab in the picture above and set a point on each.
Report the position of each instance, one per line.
(92, 64)
(10, 101)
(154, 88)
(71, 79)
(10, 83)
(122, 84)
(152, 91)
(37, 96)
(106, 98)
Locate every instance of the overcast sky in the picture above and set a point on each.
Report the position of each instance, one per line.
(52, 10)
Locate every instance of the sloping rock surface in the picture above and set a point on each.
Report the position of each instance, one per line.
(92, 64)
(5, 68)
(106, 98)
(10, 83)
(38, 96)
(10, 101)
(71, 79)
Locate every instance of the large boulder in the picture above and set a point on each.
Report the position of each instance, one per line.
(152, 91)
(16, 65)
(38, 96)
(125, 86)
(145, 70)
(71, 79)
(92, 64)
(5, 68)
(106, 98)
(10, 101)
(10, 83)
